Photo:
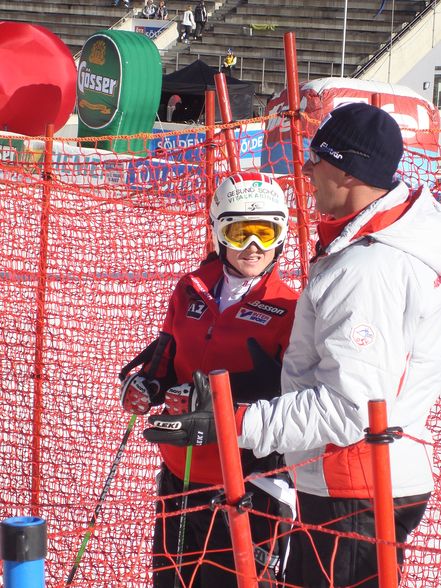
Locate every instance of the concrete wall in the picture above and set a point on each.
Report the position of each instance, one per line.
(413, 57)
(424, 71)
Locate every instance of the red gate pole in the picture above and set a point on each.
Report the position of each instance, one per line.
(210, 97)
(289, 40)
(383, 501)
(40, 323)
(233, 480)
(376, 100)
(210, 109)
(227, 117)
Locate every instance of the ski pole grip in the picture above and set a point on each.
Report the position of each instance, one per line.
(23, 547)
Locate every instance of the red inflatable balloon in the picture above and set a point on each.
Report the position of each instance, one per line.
(37, 79)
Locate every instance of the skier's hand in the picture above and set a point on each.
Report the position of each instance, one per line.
(181, 399)
(138, 394)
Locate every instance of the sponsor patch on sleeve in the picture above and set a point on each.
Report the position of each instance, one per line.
(246, 314)
(363, 335)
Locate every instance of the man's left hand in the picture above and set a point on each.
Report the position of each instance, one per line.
(195, 428)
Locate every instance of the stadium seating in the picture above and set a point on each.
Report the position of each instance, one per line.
(73, 21)
(253, 28)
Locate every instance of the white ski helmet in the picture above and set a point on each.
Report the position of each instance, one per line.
(248, 196)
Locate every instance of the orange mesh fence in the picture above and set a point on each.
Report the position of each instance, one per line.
(85, 282)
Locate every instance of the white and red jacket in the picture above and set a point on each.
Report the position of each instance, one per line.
(207, 339)
(367, 326)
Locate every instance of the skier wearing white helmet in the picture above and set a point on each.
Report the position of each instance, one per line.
(249, 208)
(233, 313)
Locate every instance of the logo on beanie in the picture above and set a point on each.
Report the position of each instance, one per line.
(330, 150)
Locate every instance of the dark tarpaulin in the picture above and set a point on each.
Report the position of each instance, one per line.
(190, 84)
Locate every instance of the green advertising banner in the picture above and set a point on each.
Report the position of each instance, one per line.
(118, 89)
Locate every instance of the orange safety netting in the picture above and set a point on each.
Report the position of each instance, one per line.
(91, 248)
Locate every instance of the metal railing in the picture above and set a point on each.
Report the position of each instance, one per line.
(133, 13)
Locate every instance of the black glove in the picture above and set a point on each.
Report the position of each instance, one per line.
(194, 428)
(263, 381)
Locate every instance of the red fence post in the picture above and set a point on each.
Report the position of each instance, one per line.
(210, 108)
(210, 145)
(227, 117)
(233, 480)
(376, 100)
(297, 150)
(383, 500)
(40, 323)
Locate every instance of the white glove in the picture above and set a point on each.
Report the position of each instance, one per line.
(181, 399)
(138, 394)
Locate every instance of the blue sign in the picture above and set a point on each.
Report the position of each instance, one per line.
(168, 178)
(188, 144)
(151, 29)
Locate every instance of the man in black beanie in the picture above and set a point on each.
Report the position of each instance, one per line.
(367, 327)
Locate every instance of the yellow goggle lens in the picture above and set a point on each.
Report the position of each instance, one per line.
(239, 232)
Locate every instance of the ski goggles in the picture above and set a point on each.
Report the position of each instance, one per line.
(239, 234)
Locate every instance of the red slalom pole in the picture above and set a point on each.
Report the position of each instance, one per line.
(292, 78)
(210, 98)
(40, 323)
(227, 117)
(383, 501)
(376, 99)
(233, 480)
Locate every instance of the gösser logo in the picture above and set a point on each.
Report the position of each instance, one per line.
(90, 81)
(98, 82)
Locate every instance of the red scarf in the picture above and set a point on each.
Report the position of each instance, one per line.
(329, 229)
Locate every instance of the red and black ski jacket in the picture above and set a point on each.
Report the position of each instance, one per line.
(204, 338)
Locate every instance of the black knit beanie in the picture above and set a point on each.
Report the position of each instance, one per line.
(362, 140)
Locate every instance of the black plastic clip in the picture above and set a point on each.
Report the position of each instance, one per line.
(294, 114)
(218, 500)
(243, 504)
(387, 436)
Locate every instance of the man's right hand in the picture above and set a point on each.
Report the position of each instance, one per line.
(138, 394)
(192, 428)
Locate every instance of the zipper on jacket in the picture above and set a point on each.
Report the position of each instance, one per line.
(209, 332)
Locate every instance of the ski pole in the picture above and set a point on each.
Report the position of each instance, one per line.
(183, 517)
(101, 499)
(158, 351)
